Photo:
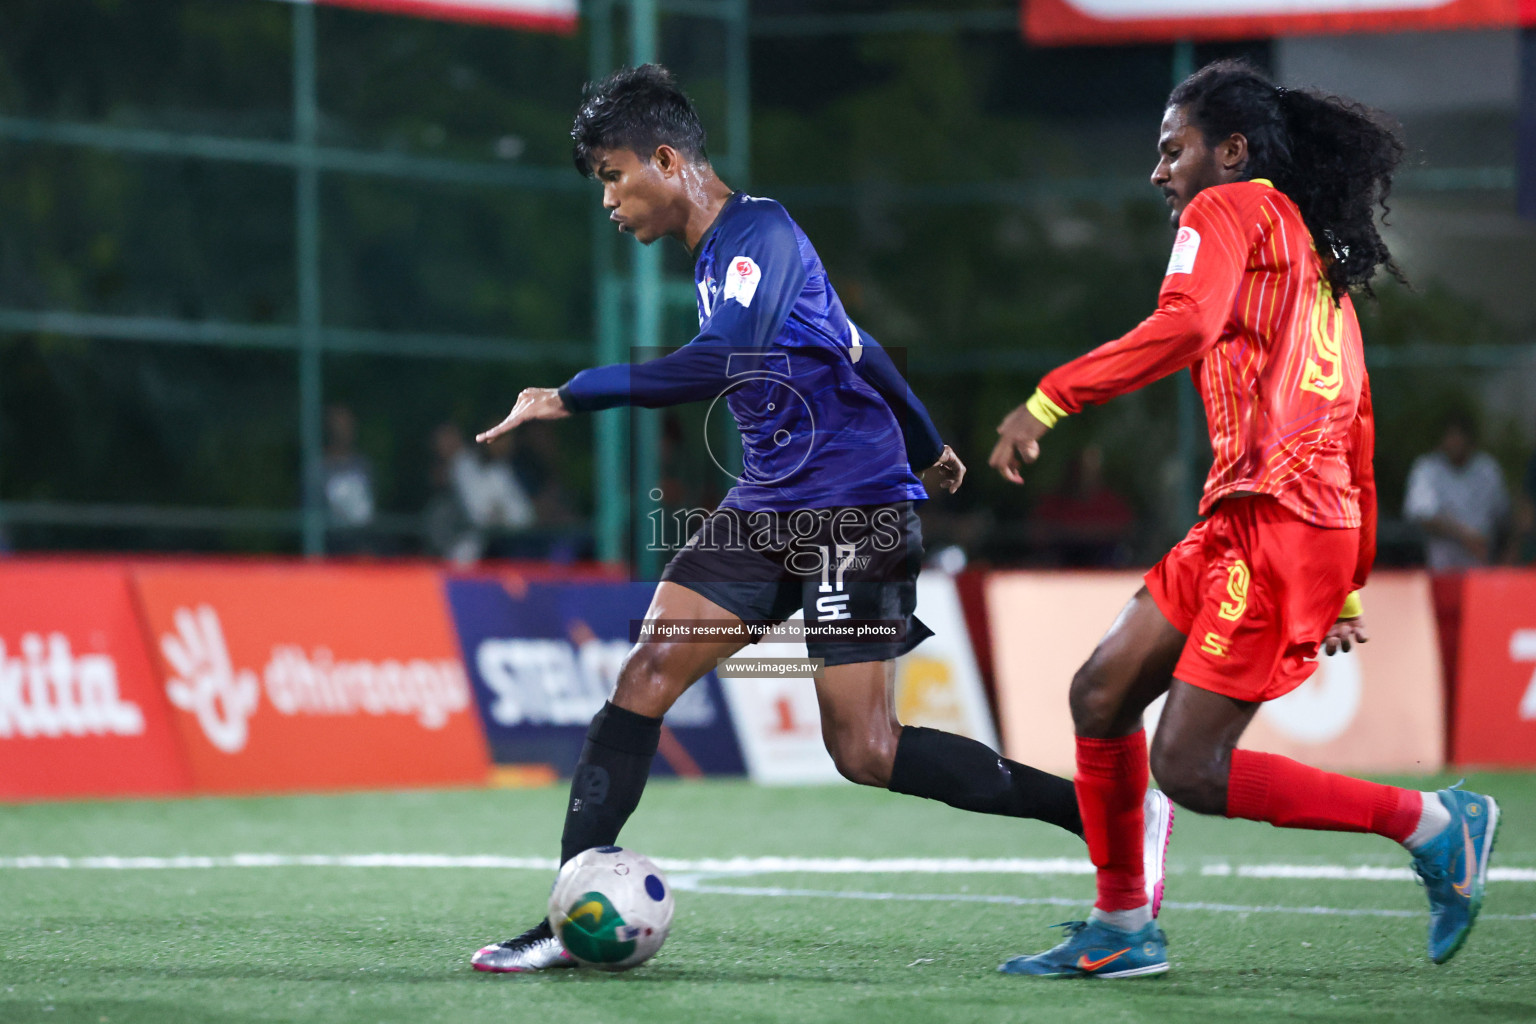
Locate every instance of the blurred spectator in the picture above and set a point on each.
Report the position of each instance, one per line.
(444, 518)
(1086, 523)
(476, 502)
(536, 456)
(497, 501)
(348, 484)
(1522, 541)
(1456, 495)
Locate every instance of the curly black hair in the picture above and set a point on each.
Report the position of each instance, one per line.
(1334, 158)
(639, 109)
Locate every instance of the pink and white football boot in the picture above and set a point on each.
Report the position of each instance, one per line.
(1157, 815)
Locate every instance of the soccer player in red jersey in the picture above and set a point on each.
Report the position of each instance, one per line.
(1273, 194)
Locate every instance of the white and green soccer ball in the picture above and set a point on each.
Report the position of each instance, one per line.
(611, 908)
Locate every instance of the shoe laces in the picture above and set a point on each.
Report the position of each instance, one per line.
(537, 933)
(1072, 927)
(1428, 874)
(1430, 869)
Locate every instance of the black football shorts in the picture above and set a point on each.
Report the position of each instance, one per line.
(853, 569)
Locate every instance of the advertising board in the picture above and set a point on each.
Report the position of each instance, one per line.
(297, 677)
(543, 659)
(81, 712)
(1377, 709)
(1495, 717)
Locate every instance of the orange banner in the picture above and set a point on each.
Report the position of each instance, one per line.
(1377, 709)
(1495, 716)
(312, 677)
(81, 713)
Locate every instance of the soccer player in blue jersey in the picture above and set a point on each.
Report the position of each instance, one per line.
(821, 517)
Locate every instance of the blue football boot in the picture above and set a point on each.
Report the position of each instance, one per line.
(1454, 869)
(1093, 949)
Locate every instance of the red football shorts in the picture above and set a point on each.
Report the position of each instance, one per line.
(1255, 589)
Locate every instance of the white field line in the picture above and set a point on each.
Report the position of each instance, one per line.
(688, 875)
(692, 885)
(733, 865)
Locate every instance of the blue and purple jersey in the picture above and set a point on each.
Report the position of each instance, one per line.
(826, 419)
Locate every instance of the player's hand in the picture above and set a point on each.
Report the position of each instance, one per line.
(947, 472)
(1344, 634)
(1018, 442)
(532, 404)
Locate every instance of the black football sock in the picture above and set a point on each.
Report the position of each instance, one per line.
(973, 777)
(610, 776)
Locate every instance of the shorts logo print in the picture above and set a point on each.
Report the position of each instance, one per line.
(1215, 643)
(833, 607)
(1237, 589)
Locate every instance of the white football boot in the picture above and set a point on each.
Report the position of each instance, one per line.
(1157, 815)
(536, 949)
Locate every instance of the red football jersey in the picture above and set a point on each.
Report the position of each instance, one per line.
(1279, 366)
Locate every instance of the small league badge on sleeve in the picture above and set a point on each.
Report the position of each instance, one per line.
(1185, 245)
(741, 279)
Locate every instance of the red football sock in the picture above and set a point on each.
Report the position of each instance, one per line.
(1111, 784)
(1267, 787)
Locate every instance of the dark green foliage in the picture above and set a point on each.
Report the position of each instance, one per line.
(981, 207)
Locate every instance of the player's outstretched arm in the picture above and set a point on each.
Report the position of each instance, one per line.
(947, 472)
(532, 404)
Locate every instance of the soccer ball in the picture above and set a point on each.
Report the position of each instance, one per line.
(611, 908)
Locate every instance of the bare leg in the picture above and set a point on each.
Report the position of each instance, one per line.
(858, 720)
(1192, 752)
(657, 672)
(616, 759)
(1129, 669)
(1196, 759)
(870, 747)
(1131, 666)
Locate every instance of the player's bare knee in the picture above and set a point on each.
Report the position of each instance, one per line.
(1192, 779)
(1094, 706)
(646, 678)
(863, 768)
(862, 758)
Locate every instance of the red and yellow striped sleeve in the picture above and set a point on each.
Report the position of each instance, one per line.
(1362, 450)
(1195, 302)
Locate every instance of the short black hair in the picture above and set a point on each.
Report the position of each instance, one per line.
(639, 109)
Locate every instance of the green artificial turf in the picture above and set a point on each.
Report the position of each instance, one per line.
(347, 944)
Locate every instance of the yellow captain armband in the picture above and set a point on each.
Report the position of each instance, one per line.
(1043, 409)
(1352, 609)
